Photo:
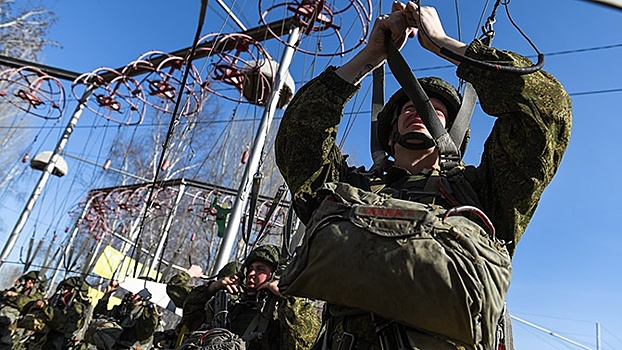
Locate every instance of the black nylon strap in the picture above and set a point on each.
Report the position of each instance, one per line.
(273, 206)
(463, 118)
(377, 102)
(449, 152)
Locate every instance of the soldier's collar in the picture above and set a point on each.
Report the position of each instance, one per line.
(395, 173)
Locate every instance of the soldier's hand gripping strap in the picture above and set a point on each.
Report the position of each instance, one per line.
(400, 260)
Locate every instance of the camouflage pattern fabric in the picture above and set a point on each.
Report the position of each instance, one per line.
(178, 288)
(22, 299)
(520, 156)
(194, 314)
(10, 308)
(139, 322)
(67, 320)
(63, 321)
(299, 323)
(268, 252)
(193, 299)
(293, 325)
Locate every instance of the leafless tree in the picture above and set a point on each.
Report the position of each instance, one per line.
(23, 34)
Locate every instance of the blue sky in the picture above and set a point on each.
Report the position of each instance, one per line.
(566, 268)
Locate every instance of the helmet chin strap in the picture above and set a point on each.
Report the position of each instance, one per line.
(426, 141)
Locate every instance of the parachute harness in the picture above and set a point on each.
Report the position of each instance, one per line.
(447, 142)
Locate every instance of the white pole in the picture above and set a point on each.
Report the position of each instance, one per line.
(164, 236)
(231, 14)
(235, 217)
(60, 146)
(597, 336)
(72, 235)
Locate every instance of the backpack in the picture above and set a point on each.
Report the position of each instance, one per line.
(212, 339)
(103, 333)
(426, 268)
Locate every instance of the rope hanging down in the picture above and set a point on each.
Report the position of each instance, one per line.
(171, 128)
(488, 32)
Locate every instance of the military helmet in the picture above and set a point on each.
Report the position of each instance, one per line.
(33, 275)
(75, 283)
(268, 252)
(434, 87)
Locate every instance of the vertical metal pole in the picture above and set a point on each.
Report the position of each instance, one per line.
(224, 251)
(167, 229)
(125, 247)
(72, 236)
(88, 266)
(597, 336)
(60, 146)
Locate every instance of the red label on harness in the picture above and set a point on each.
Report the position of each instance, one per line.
(389, 212)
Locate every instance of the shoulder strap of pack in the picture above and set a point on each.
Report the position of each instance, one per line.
(504, 339)
(259, 325)
(450, 155)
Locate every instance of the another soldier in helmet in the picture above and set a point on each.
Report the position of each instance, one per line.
(249, 305)
(519, 159)
(191, 299)
(56, 321)
(135, 320)
(28, 288)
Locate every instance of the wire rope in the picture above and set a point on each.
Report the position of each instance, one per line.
(174, 121)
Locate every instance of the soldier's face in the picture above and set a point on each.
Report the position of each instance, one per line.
(410, 121)
(257, 274)
(136, 299)
(29, 283)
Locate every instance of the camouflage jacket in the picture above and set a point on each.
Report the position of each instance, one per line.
(178, 288)
(520, 156)
(519, 159)
(20, 301)
(138, 322)
(293, 325)
(66, 319)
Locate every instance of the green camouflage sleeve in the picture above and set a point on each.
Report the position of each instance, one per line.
(305, 147)
(194, 307)
(67, 320)
(20, 301)
(102, 305)
(178, 288)
(146, 322)
(299, 323)
(526, 145)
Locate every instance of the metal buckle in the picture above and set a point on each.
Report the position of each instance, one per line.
(344, 341)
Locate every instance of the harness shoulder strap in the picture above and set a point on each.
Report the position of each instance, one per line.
(259, 325)
(450, 156)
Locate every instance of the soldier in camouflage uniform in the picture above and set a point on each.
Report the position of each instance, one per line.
(291, 323)
(192, 300)
(136, 315)
(519, 159)
(13, 301)
(63, 315)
